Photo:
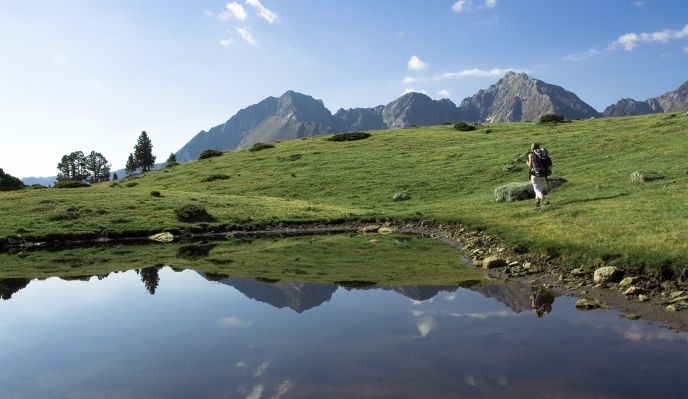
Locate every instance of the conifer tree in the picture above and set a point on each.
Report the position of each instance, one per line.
(143, 153)
(171, 160)
(131, 165)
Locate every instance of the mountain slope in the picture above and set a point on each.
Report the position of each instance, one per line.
(517, 97)
(671, 101)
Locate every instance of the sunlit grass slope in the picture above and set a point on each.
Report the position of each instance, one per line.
(450, 176)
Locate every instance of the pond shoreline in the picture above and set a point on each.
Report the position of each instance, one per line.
(477, 246)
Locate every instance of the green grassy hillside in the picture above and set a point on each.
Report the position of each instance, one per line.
(450, 176)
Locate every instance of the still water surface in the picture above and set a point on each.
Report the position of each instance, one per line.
(204, 336)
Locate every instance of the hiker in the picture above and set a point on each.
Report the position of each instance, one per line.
(540, 167)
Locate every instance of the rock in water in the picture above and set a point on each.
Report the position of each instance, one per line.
(385, 230)
(162, 237)
(607, 274)
(492, 262)
(587, 304)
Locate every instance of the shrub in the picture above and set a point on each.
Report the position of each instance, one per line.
(209, 154)
(552, 118)
(488, 131)
(260, 146)
(215, 177)
(193, 213)
(37, 186)
(70, 184)
(69, 214)
(464, 127)
(349, 136)
(155, 193)
(132, 184)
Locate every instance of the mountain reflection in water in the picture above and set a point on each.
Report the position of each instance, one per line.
(169, 333)
(300, 296)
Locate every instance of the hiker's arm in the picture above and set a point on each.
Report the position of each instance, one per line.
(529, 159)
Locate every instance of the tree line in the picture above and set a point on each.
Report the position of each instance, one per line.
(95, 168)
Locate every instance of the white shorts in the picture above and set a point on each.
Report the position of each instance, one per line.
(538, 186)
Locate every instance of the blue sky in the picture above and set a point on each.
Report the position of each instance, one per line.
(90, 75)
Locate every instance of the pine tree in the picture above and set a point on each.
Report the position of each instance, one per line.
(9, 182)
(131, 165)
(143, 153)
(114, 176)
(97, 166)
(171, 160)
(73, 167)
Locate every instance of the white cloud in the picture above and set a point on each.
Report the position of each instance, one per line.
(416, 64)
(241, 365)
(408, 79)
(637, 3)
(263, 11)
(256, 393)
(234, 322)
(444, 93)
(475, 72)
(490, 3)
(417, 313)
(582, 56)
(425, 325)
(246, 35)
(208, 13)
(261, 369)
(282, 389)
(226, 42)
(406, 91)
(234, 10)
(461, 5)
(482, 315)
(629, 41)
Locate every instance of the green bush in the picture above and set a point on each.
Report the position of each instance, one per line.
(464, 127)
(132, 184)
(70, 184)
(349, 136)
(155, 193)
(260, 146)
(215, 177)
(210, 154)
(37, 186)
(193, 213)
(552, 118)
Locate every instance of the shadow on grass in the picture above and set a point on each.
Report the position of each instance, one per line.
(601, 198)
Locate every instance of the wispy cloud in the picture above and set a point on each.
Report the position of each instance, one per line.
(582, 56)
(261, 369)
(444, 93)
(241, 365)
(482, 315)
(416, 64)
(490, 3)
(408, 80)
(234, 10)
(461, 5)
(226, 42)
(282, 389)
(246, 35)
(233, 322)
(637, 3)
(256, 393)
(629, 41)
(475, 72)
(263, 11)
(425, 325)
(470, 380)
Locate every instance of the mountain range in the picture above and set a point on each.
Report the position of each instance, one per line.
(516, 97)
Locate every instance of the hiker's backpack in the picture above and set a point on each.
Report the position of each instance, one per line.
(541, 163)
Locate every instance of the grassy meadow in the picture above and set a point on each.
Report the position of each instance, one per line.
(449, 175)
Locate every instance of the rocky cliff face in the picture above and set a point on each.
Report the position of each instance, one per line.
(671, 101)
(518, 97)
(418, 109)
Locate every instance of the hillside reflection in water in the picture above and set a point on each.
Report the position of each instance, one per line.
(211, 336)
